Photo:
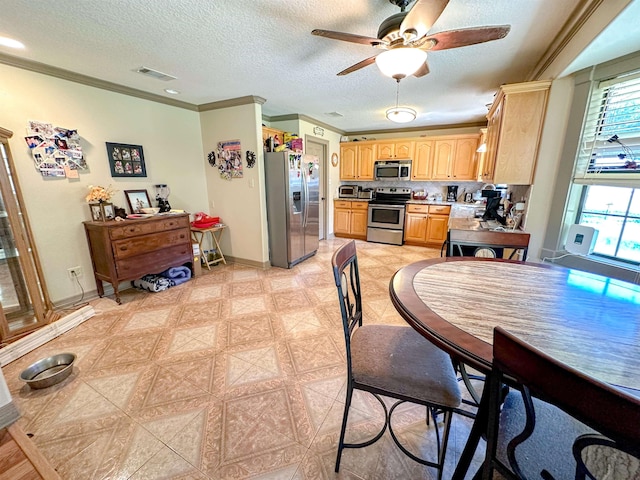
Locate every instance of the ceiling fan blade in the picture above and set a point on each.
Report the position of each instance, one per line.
(422, 16)
(466, 36)
(422, 71)
(348, 37)
(364, 63)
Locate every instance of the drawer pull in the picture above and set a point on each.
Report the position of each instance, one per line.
(124, 249)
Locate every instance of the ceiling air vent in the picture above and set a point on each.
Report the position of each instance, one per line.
(334, 114)
(155, 74)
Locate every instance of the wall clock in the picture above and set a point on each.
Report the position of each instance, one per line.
(334, 159)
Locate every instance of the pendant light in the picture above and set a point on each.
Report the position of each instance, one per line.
(399, 114)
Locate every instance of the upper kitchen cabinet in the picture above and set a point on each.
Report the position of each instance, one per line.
(422, 160)
(514, 128)
(455, 158)
(356, 161)
(395, 150)
(277, 135)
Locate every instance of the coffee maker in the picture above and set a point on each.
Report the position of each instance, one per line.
(162, 196)
(452, 193)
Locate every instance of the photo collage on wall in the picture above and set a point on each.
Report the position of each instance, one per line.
(56, 151)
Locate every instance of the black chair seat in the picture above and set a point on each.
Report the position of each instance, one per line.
(402, 362)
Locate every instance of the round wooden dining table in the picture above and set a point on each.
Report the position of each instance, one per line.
(590, 322)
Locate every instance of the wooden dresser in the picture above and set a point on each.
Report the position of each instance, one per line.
(122, 251)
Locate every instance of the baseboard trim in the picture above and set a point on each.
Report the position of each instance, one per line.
(249, 263)
(45, 334)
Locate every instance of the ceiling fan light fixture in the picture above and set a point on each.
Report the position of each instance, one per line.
(401, 62)
(401, 114)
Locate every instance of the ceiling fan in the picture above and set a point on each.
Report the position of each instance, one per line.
(405, 39)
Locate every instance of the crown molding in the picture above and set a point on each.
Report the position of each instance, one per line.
(38, 67)
(418, 129)
(303, 117)
(231, 102)
(584, 11)
(4, 133)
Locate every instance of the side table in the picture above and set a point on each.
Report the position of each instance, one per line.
(198, 234)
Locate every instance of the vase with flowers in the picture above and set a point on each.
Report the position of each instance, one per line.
(98, 199)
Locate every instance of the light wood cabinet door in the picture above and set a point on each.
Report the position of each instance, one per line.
(386, 150)
(400, 150)
(442, 157)
(341, 221)
(366, 158)
(404, 150)
(348, 162)
(514, 129)
(493, 132)
(437, 227)
(415, 227)
(359, 223)
(422, 160)
(520, 131)
(465, 164)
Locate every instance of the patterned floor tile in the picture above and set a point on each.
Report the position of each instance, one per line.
(239, 373)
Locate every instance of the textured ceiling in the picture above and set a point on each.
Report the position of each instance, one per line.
(226, 49)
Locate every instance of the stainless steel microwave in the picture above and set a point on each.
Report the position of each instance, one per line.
(348, 191)
(394, 170)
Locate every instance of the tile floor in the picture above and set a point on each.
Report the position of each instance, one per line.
(239, 373)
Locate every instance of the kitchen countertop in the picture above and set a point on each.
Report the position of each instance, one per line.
(473, 224)
(417, 202)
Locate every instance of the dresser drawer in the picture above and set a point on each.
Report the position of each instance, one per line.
(141, 227)
(412, 208)
(130, 247)
(441, 209)
(153, 262)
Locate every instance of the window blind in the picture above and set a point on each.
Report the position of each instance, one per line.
(610, 141)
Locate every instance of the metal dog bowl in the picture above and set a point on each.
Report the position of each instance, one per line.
(49, 371)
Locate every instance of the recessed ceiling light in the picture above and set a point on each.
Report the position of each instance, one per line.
(172, 91)
(11, 43)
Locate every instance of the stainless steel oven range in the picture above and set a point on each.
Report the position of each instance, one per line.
(385, 223)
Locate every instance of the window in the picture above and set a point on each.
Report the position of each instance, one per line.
(610, 142)
(615, 213)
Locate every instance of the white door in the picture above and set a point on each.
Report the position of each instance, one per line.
(319, 148)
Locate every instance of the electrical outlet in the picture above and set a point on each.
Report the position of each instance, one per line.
(74, 272)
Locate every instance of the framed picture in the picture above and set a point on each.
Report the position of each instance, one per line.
(137, 199)
(101, 212)
(126, 160)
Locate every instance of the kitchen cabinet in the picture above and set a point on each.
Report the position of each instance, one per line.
(422, 160)
(514, 127)
(395, 150)
(356, 161)
(128, 250)
(272, 132)
(426, 225)
(455, 158)
(350, 219)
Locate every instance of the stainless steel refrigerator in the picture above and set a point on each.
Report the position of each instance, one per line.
(293, 206)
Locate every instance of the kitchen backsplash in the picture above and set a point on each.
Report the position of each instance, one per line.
(428, 187)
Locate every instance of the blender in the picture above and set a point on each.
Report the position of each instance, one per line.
(162, 196)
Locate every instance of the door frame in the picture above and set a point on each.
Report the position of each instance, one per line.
(323, 180)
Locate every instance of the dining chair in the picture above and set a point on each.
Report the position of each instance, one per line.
(556, 422)
(392, 361)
